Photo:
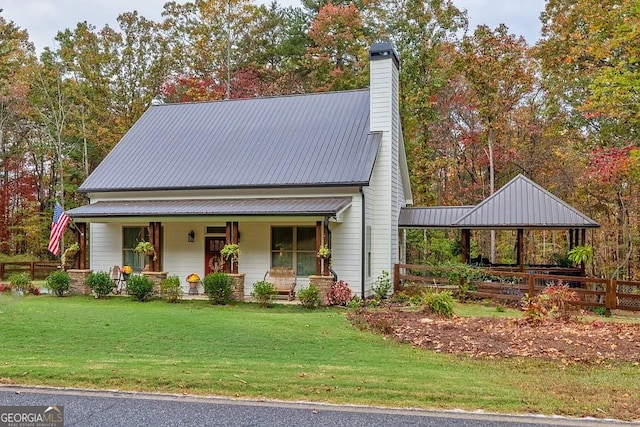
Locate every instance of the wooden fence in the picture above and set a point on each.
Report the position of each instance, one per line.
(36, 269)
(609, 294)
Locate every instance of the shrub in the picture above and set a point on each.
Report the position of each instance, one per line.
(140, 287)
(100, 283)
(218, 287)
(339, 293)
(58, 282)
(354, 302)
(554, 301)
(438, 302)
(383, 285)
(6, 287)
(462, 275)
(264, 292)
(560, 297)
(171, 289)
(33, 289)
(309, 297)
(20, 281)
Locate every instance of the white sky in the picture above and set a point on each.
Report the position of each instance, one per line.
(44, 18)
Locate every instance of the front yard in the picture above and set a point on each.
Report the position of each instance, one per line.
(284, 353)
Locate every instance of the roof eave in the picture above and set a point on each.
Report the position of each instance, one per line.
(233, 187)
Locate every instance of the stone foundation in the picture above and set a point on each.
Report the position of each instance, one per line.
(323, 283)
(238, 287)
(156, 277)
(78, 282)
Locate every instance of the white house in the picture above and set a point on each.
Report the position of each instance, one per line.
(280, 176)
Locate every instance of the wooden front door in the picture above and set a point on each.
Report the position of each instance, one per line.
(213, 260)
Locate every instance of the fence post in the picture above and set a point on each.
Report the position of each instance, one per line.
(531, 284)
(1, 270)
(396, 278)
(611, 300)
(33, 270)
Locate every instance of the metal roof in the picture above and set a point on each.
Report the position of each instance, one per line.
(521, 203)
(431, 217)
(265, 206)
(318, 139)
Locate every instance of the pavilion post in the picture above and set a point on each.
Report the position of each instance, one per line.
(520, 249)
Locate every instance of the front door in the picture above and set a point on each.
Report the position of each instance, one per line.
(213, 261)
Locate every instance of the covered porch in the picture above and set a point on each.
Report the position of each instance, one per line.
(188, 235)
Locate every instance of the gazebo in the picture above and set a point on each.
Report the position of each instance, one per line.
(519, 205)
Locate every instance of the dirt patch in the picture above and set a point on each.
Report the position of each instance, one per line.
(568, 342)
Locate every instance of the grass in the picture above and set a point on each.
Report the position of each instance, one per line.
(285, 353)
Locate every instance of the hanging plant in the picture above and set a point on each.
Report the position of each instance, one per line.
(230, 251)
(146, 248)
(324, 252)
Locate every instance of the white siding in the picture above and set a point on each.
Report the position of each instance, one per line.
(387, 195)
(181, 258)
(346, 242)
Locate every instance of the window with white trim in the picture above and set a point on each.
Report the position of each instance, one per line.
(294, 247)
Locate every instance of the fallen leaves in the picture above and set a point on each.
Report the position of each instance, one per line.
(568, 342)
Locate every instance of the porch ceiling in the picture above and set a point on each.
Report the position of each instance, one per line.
(296, 206)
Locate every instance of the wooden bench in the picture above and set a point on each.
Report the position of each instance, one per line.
(283, 279)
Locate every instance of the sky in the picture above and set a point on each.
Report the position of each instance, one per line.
(44, 18)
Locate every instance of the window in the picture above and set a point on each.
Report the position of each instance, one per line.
(294, 247)
(131, 236)
(216, 230)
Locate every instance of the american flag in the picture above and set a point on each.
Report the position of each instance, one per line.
(58, 225)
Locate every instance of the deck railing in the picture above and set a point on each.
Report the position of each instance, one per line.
(609, 294)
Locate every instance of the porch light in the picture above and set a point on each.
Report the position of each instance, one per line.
(191, 236)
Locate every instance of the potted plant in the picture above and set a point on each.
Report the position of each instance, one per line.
(193, 279)
(324, 252)
(230, 251)
(146, 248)
(72, 250)
(69, 252)
(126, 271)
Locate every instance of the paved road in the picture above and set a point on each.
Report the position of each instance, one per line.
(102, 408)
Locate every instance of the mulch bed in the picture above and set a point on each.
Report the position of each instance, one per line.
(567, 342)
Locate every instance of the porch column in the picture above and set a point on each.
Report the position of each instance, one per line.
(520, 249)
(80, 262)
(232, 237)
(154, 238)
(322, 265)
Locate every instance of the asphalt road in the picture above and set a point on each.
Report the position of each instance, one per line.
(104, 408)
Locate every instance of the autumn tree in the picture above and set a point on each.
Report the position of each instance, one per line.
(204, 38)
(589, 52)
(589, 55)
(17, 189)
(338, 56)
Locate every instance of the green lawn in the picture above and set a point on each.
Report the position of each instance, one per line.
(286, 353)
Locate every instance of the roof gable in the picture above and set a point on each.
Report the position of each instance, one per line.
(291, 141)
(522, 203)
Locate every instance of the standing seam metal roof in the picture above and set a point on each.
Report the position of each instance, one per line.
(431, 217)
(318, 139)
(187, 207)
(521, 203)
